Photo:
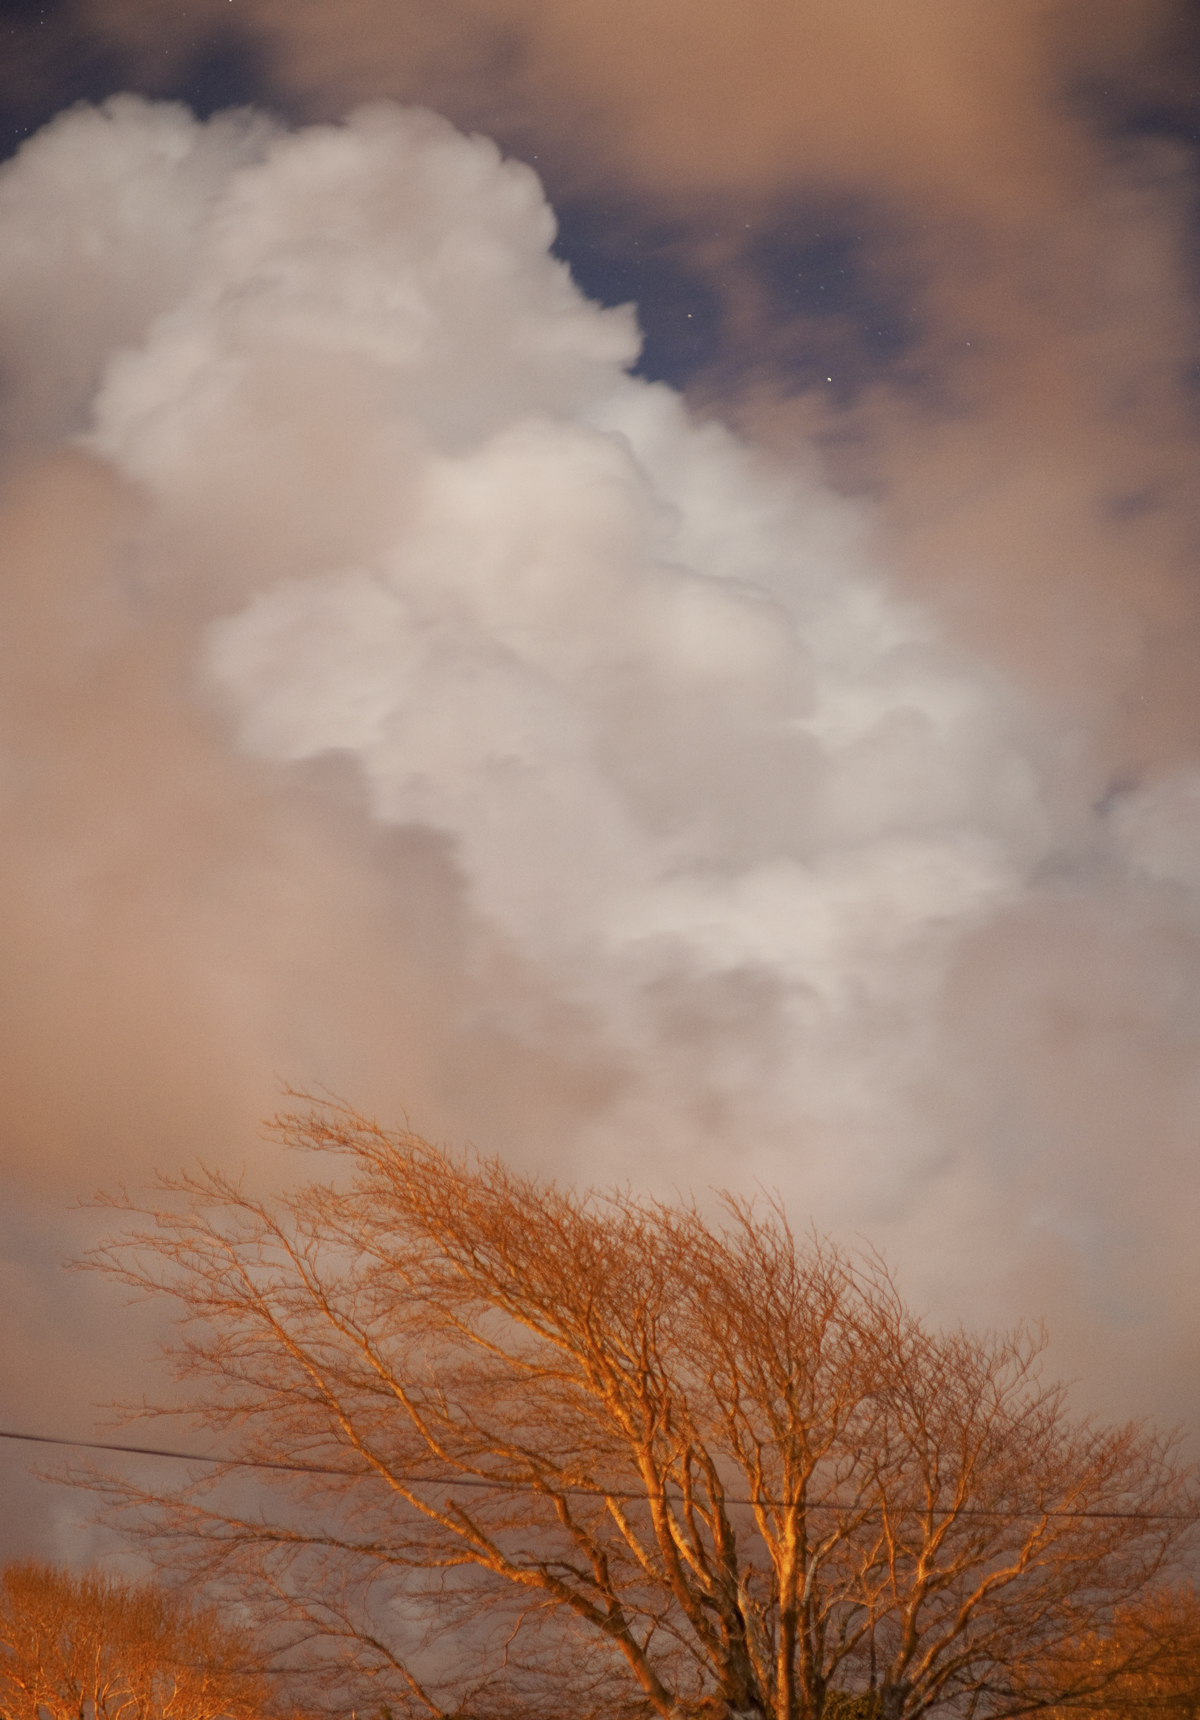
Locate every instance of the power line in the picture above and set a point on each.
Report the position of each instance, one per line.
(586, 1492)
(182, 1456)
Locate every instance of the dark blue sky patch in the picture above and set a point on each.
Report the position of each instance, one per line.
(615, 258)
(31, 11)
(48, 62)
(1159, 94)
(1159, 99)
(820, 294)
(1132, 504)
(840, 303)
(225, 70)
(51, 63)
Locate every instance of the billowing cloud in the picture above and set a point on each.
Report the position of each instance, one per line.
(401, 696)
(675, 731)
(976, 222)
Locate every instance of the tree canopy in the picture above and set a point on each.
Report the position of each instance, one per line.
(548, 1451)
(97, 1647)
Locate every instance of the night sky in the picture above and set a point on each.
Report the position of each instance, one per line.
(753, 744)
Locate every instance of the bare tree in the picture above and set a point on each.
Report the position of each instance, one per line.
(617, 1458)
(93, 1646)
(1147, 1665)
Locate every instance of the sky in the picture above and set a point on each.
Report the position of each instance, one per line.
(620, 583)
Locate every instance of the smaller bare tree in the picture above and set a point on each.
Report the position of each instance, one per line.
(96, 1646)
(1146, 1666)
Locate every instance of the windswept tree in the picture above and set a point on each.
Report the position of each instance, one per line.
(1155, 1644)
(527, 1450)
(95, 1648)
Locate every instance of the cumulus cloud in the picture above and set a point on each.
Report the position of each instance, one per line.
(1015, 329)
(674, 727)
(403, 697)
(100, 225)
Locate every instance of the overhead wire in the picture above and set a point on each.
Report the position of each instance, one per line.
(579, 1488)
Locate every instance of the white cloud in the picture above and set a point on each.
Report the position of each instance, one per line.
(670, 720)
(710, 858)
